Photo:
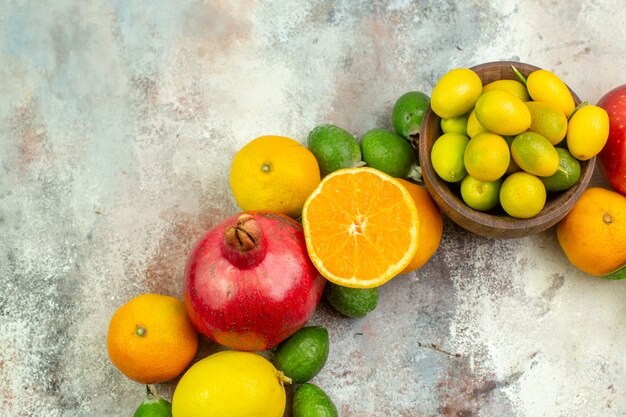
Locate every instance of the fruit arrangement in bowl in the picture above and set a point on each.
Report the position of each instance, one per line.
(506, 148)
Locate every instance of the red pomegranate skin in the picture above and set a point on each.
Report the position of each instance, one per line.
(249, 283)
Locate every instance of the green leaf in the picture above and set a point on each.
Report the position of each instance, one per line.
(618, 274)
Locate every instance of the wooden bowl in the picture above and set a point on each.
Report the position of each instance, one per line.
(496, 224)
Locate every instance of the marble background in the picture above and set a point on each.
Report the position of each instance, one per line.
(118, 121)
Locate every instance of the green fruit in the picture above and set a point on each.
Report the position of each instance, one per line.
(408, 113)
(304, 354)
(535, 154)
(310, 401)
(387, 152)
(480, 195)
(153, 406)
(334, 148)
(455, 125)
(566, 175)
(447, 156)
(351, 302)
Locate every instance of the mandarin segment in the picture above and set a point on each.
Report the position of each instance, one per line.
(361, 227)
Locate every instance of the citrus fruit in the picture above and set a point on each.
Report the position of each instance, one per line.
(334, 148)
(446, 156)
(512, 86)
(587, 132)
(566, 175)
(231, 383)
(310, 401)
(535, 154)
(273, 173)
(487, 157)
(513, 167)
(408, 112)
(304, 354)
(547, 120)
(545, 86)
(456, 93)
(361, 227)
(522, 195)
(473, 125)
(455, 125)
(153, 405)
(593, 233)
(480, 195)
(501, 112)
(387, 152)
(351, 302)
(151, 339)
(430, 225)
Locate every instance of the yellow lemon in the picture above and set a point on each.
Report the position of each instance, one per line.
(501, 112)
(522, 195)
(512, 86)
(535, 154)
(545, 86)
(274, 173)
(487, 157)
(233, 384)
(473, 125)
(587, 132)
(456, 93)
(547, 120)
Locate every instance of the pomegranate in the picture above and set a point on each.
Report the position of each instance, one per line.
(249, 283)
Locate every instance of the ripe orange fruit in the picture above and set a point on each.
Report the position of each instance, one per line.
(430, 225)
(593, 233)
(273, 173)
(361, 227)
(151, 338)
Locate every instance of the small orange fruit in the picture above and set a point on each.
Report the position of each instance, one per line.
(593, 233)
(361, 227)
(151, 338)
(430, 225)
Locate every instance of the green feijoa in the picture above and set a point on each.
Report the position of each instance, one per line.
(408, 112)
(153, 405)
(334, 148)
(311, 401)
(304, 354)
(566, 175)
(387, 152)
(351, 302)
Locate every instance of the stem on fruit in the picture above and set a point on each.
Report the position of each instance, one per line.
(151, 391)
(283, 379)
(519, 75)
(580, 106)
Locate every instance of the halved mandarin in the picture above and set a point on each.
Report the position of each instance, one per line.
(361, 227)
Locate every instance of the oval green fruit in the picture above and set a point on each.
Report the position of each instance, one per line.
(480, 195)
(566, 175)
(304, 354)
(408, 113)
(447, 156)
(351, 302)
(334, 148)
(387, 152)
(455, 125)
(535, 154)
(154, 406)
(311, 401)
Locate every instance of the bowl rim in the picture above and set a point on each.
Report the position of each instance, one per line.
(485, 223)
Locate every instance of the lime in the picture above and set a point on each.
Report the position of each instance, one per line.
(487, 157)
(473, 125)
(566, 175)
(456, 93)
(304, 354)
(310, 401)
(501, 112)
(535, 154)
(480, 195)
(334, 148)
(512, 86)
(387, 152)
(408, 113)
(547, 120)
(153, 405)
(455, 125)
(351, 302)
(588, 132)
(522, 195)
(446, 156)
